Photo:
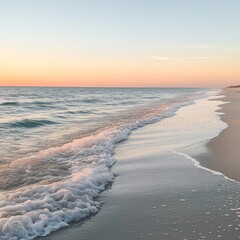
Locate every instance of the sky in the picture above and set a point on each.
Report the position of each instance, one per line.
(127, 43)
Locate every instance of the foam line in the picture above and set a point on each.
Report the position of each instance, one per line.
(198, 165)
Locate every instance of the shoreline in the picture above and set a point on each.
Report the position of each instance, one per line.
(158, 194)
(221, 154)
(225, 147)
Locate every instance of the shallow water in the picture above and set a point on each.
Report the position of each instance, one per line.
(161, 193)
(57, 146)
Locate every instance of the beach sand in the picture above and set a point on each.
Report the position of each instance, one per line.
(159, 194)
(226, 147)
(222, 153)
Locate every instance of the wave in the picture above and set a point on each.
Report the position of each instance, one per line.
(52, 200)
(128, 102)
(28, 104)
(92, 100)
(80, 111)
(41, 102)
(31, 123)
(9, 103)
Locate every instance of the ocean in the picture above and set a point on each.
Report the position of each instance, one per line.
(57, 148)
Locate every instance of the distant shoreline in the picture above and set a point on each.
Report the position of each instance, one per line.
(235, 86)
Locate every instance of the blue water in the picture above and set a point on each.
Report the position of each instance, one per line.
(37, 118)
(57, 146)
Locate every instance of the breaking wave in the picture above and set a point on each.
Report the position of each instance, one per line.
(56, 186)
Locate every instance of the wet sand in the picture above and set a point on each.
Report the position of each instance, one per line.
(222, 153)
(158, 194)
(226, 147)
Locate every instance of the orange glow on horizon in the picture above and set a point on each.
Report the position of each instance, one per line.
(107, 72)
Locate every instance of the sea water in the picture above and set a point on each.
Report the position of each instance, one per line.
(57, 148)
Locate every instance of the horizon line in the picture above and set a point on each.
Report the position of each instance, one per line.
(55, 86)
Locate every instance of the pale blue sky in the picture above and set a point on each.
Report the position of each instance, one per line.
(133, 27)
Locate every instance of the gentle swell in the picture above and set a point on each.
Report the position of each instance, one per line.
(91, 100)
(31, 123)
(79, 112)
(9, 103)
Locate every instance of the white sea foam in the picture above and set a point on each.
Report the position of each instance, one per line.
(35, 210)
(198, 165)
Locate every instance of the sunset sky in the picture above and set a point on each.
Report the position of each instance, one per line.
(146, 43)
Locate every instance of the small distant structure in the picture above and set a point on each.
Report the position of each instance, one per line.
(235, 86)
